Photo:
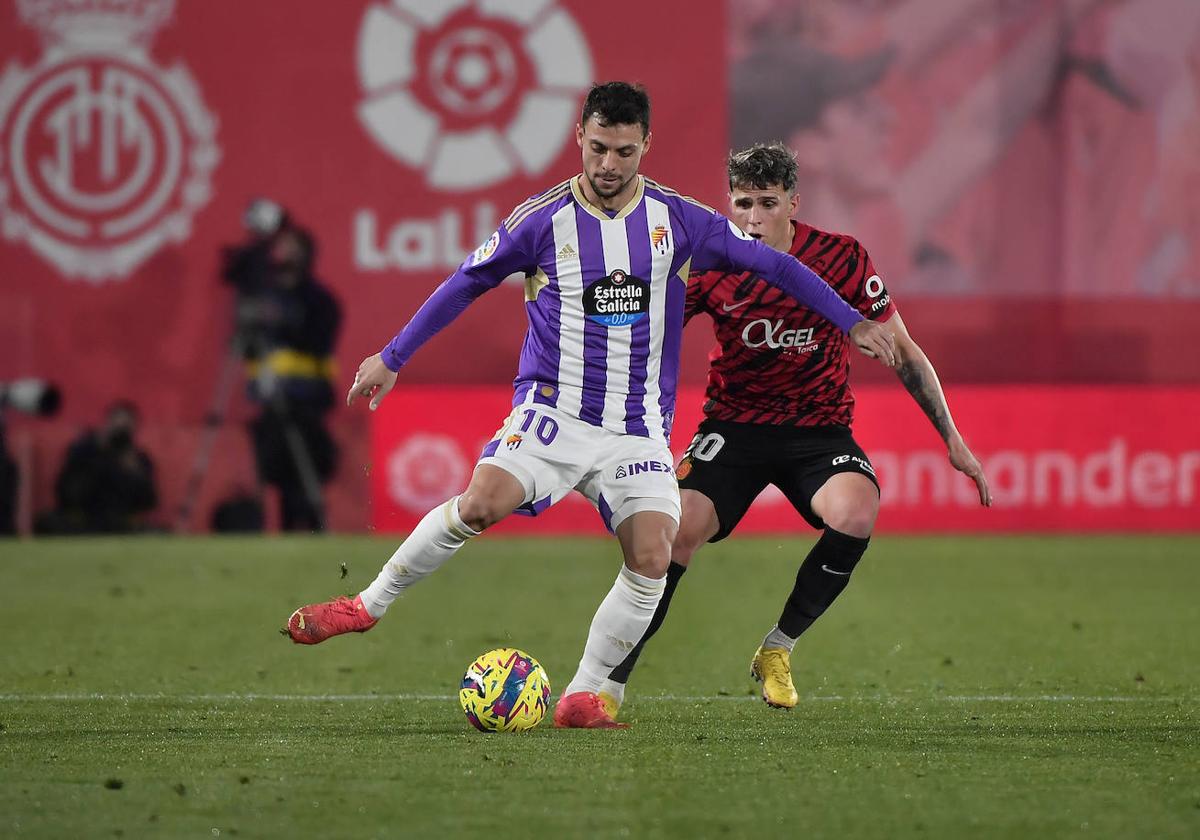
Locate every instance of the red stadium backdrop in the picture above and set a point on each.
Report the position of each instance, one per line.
(1024, 175)
(131, 150)
(1058, 460)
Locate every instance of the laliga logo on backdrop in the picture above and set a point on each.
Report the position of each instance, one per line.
(104, 156)
(437, 75)
(468, 93)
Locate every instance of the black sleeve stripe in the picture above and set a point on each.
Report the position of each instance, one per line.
(825, 248)
(850, 283)
(813, 237)
(706, 283)
(841, 270)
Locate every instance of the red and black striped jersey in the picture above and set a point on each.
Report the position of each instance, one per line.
(777, 362)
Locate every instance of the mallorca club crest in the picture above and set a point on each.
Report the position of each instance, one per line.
(104, 155)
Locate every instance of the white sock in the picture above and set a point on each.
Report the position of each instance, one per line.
(435, 539)
(620, 622)
(778, 639)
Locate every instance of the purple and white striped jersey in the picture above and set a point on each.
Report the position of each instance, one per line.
(604, 296)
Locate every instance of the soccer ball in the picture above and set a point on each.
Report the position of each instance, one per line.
(505, 690)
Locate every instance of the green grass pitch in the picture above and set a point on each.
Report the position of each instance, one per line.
(984, 687)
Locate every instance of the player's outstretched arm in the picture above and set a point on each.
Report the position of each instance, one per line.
(873, 339)
(921, 381)
(725, 247)
(485, 269)
(376, 376)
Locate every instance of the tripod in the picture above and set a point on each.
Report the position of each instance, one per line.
(214, 420)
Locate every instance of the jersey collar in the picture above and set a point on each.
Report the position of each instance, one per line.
(577, 191)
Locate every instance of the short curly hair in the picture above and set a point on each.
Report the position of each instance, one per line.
(762, 166)
(617, 103)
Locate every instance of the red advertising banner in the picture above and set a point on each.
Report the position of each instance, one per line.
(135, 133)
(1023, 174)
(1058, 459)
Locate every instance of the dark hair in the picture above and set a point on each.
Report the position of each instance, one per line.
(617, 103)
(762, 166)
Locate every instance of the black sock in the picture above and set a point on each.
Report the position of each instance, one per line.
(822, 577)
(621, 672)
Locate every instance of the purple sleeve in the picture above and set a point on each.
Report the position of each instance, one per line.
(722, 246)
(485, 269)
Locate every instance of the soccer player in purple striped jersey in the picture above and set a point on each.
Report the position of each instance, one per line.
(606, 256)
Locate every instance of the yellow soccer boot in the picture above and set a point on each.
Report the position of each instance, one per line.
(773, 668)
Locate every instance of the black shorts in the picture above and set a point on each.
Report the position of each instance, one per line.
(731, 463)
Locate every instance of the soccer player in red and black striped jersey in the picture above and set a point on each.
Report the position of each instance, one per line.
(778, 410)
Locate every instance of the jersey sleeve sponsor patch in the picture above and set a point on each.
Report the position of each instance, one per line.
(877, 294)
(485, 251)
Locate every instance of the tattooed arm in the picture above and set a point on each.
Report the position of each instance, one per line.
(921, 381)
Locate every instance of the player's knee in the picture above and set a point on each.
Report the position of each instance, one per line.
(852, 513)
(682, 555)
(697, 525)
(480, 511)
(687, 542)
(649, 553)
(650, 559)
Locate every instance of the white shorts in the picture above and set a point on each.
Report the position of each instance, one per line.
(552, 453)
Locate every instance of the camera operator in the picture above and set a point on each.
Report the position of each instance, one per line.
(35, 397)
(287, 327)
(106, 484)
(247, 266)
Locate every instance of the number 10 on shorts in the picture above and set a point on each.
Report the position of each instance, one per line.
(546, 428)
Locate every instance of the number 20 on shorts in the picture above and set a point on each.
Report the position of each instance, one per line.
(705, 447)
